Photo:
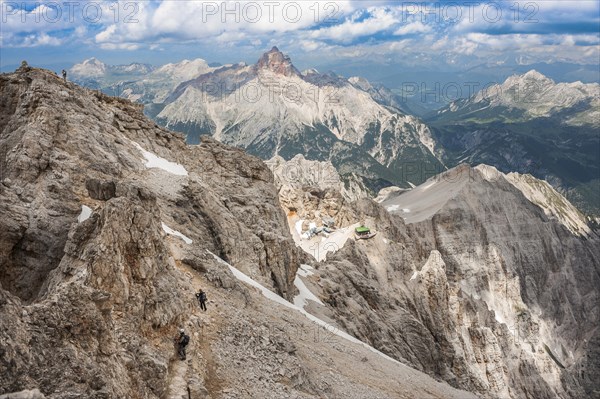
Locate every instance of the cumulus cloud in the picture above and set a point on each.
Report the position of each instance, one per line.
(412, 28)
(41, 39)
(360, 24)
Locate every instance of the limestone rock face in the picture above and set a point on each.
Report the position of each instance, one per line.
(27, 394)
(67, 147)
(313, 190)
(108, 298)
(471, 281)
(277, 62)
(85, 305)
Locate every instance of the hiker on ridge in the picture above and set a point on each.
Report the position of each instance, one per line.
(201, 296)
(182, 340)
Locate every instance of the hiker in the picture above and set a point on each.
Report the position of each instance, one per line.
(64, 74)
(182, 340)
(201, 296)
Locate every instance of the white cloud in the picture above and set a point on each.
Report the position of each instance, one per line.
(375, 29)
(120, 46)
(41, 39)
(411, 28)
(230, 37)
(106, 34)
(311, 45)
(379, 20)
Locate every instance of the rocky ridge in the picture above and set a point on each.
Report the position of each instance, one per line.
(480, 278)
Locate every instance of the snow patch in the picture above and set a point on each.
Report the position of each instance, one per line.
(427, 185)
(394, 208)
(305, 271)
(498, 317)
(85, 214)
(304, 295)
(175, 233)
(154, 161)
(299, 226)
(319, 246)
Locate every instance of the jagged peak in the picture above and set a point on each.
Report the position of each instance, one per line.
(275, 61)
(361, 83)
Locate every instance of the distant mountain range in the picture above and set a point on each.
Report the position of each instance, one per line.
(137, 82)
(272, 109)
(426, 88)
(529, 124)
(523, 98)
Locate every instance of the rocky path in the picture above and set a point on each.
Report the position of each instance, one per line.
(199, 351)
(178, 387)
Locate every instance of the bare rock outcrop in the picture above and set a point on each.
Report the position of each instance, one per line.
(482, 289)
(109, 223)
(84, 296)
(64, 144)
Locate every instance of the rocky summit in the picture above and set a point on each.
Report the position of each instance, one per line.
(474, 284)
(277, 62)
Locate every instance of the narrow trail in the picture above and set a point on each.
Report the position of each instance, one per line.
(199, 353)
(178, 386)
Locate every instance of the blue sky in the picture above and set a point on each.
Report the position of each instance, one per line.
(442, 35)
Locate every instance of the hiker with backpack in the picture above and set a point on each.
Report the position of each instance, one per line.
(182, 340)
(201, 296)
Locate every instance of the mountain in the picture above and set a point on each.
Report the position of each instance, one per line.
(529, 124)
(527, 97)
(90, 68)
(109, 225)
(93, 69)
(272, 109)
(486, 280)
(137, 82)
(426, 88)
